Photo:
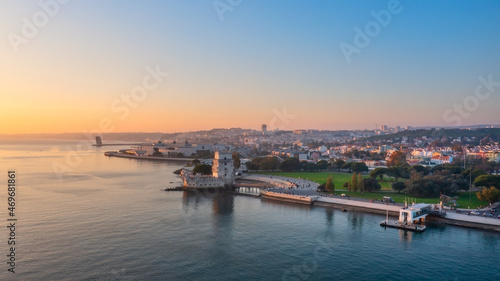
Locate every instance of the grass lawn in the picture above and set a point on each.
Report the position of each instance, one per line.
(340, 178)
(320, 177)
(462, 201)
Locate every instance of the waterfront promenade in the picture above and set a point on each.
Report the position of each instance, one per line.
(304, 192)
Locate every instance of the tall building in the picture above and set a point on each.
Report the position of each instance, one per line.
(264, 129)
(383, 128)
(98, 141)
(222, 173)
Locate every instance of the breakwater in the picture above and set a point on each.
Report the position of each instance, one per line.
(287, 197)
(132, 156)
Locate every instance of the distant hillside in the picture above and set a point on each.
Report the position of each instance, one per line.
(493, 133)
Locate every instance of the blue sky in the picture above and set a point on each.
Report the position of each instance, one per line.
(236, 72)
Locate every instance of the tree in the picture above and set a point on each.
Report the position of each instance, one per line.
(330, 186)
(457, 147)
(349, 186)
(431, 186)
(196, 162)
(360, 183)
(487, 180)
(371, 184)
(396, 158)
(290, 164)
(264, 163)
(270, 163)
(398, 172)
(453, 168)
(484, 167)
(338, 163)
(423, 188)
(491, 194)
(347, 165)
(310, 167)
(322, 164)
(354, 183)
(203, 169)
(420, 169)
(475, 173)
(157, 152)
(359, 167)
(378, 172)
(252, 166)
(236, 160)
(399, 185)
(485, 141)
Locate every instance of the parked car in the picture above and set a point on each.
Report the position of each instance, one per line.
(343, 195)
(474, 213)
(388, 199)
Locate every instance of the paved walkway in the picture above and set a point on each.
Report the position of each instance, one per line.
(284, 182)
(301, 187)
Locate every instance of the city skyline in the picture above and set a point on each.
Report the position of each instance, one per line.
(73, 66)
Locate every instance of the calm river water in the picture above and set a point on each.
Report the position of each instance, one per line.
(89, 217)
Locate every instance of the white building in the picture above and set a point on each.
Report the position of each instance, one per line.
(413, 214)
(222, 167)
(222, 173)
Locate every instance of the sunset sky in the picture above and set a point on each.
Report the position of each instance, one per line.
(238, 67)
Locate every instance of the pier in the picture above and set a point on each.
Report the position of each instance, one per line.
(132, 156)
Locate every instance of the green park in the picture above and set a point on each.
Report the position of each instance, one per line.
(465, 199)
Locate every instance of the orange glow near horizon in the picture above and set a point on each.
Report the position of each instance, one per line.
(74, 73)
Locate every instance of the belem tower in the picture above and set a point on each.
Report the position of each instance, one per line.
(222, 173)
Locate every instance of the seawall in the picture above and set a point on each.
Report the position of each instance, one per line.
(393, 211)
(354, 205)
(287, 197)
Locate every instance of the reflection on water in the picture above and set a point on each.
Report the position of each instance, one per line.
(329, 217)
(405, 235)
(248, 190)
(356, 220)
